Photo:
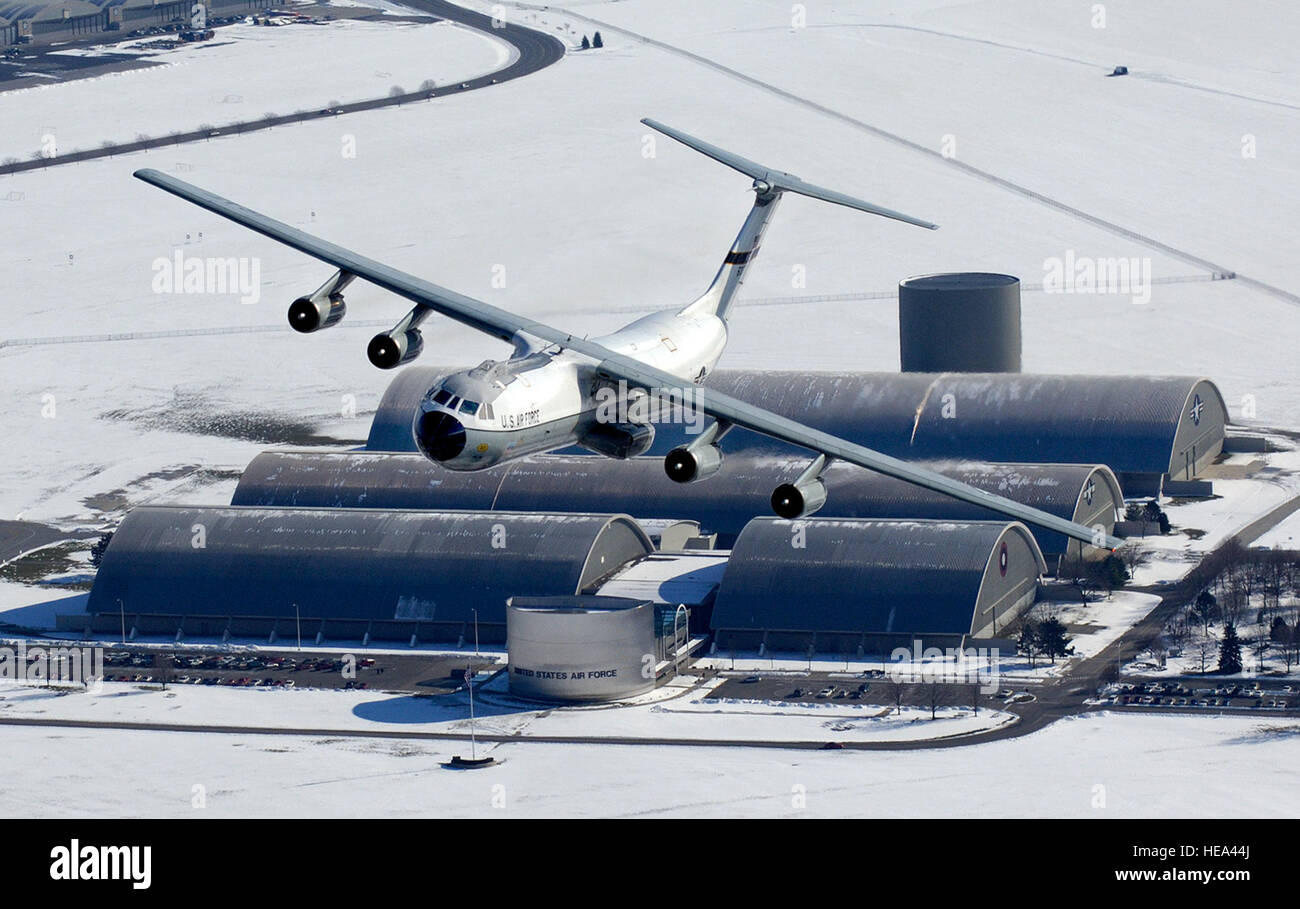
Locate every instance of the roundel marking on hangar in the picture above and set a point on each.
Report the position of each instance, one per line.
(1003, 559)
(1197, 407)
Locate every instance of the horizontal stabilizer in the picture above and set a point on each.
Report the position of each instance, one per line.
(765, 178)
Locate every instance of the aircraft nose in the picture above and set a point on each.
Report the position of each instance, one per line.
(440, 435)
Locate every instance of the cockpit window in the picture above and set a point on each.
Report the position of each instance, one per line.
(469, 407)
(442, 397)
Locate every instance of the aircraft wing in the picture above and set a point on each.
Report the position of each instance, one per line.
(733, 410)
(506, 325)
(466, 310)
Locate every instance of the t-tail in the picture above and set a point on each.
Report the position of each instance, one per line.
(768, 186)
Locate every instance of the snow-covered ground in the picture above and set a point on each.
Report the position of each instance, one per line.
(1187, 162)
(245, 73)
(1117, 766)
(676, 711)
(472, 186)
(1286, 535)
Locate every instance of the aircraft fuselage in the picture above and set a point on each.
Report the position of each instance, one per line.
(550, 399)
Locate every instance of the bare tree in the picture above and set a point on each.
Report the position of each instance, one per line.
(1205, 647)
(937, 694)
(1133, 558)
(897, 689)
(162, 664)
(1260, 646)
(1072, 572)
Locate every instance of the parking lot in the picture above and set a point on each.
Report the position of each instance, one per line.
(428, 673)
(1195, 693)
(869, 687)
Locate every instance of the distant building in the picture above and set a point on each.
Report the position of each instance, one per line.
(55, 20)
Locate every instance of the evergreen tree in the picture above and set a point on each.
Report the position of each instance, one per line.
(1117, 573)
(1028, 641)
(1280, 633)
(1052, 639)
(1206, 609)
(97, 551)
(1230, 651)
(596, 41)
(585, 43)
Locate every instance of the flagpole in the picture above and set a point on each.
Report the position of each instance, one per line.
(473, 745)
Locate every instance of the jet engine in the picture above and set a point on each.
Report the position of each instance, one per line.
(692, 463)
(805, 496)
(390, 349)
(797, 500)
(323, 309)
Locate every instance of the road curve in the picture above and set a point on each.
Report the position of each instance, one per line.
(534, 51)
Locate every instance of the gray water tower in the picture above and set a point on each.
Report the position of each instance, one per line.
(962, 322)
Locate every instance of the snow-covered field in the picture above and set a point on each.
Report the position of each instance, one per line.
(1117, 766)
(676, 711)
(471, 187)
(1286, 535)
(247, 72)
(546, 196)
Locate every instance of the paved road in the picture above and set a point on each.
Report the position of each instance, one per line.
(535, 50)
(17, 537)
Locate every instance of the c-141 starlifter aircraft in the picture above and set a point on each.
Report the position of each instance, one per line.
(549, 393)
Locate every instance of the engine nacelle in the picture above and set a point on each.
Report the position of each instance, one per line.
(308, 314)
(799, 499)
(390, 349)
(322, 309)
(619, 440)
(692, 463)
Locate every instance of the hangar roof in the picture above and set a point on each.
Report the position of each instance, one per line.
(13, 10)
(1130, 423)
(354, 563)
(722, 504)
(1140, 424)
(880, 577)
